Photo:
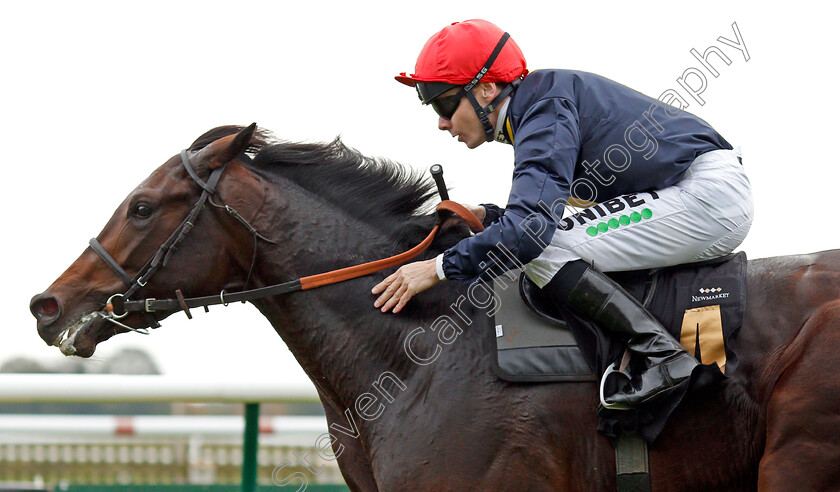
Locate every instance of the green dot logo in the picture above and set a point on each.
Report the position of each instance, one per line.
(602, 227)
(646, 213)
(636, 217)
(613, 223)
(624, 220)
(592, 231)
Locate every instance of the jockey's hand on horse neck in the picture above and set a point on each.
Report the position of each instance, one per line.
(402, 285)
(414, 278)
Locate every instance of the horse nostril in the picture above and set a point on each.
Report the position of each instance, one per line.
(45, 306)
(49, 306)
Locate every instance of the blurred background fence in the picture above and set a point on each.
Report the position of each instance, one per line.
(79, 452)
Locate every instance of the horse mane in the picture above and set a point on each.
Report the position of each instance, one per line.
(381, 192)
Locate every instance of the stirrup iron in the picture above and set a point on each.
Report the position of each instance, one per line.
(612, 369)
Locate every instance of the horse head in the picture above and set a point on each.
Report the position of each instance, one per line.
(73, 312)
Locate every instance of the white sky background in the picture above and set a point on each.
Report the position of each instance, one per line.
(95, 96)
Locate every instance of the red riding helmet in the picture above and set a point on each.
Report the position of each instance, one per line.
(464, 54)
(457, 53)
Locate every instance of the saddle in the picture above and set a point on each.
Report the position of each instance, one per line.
(701, 304)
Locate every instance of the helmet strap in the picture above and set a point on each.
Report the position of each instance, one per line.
(484, 112)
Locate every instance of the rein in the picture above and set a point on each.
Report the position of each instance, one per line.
(119, 305)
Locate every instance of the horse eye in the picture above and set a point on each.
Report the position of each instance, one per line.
(142, 210)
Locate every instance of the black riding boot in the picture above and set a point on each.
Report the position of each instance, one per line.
(597, 297)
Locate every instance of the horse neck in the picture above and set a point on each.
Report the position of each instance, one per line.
(340, 340)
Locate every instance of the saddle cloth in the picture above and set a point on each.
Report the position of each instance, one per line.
(702, 305)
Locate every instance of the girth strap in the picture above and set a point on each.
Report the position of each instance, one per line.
(631, 464)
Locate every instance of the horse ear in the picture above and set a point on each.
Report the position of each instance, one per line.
(226, 149)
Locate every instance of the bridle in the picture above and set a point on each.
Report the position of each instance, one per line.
(163, 254)
(120, 305)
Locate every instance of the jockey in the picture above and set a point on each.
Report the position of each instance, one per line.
(659, 187)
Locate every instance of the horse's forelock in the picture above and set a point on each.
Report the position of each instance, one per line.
(261, 138)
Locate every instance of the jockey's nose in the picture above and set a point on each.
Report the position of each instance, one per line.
(46, 308)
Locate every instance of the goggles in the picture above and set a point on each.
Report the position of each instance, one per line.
(445, 106)
(431, 93)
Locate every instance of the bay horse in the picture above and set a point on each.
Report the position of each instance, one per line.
(412, 403)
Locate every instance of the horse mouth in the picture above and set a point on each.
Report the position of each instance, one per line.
(80, 338)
